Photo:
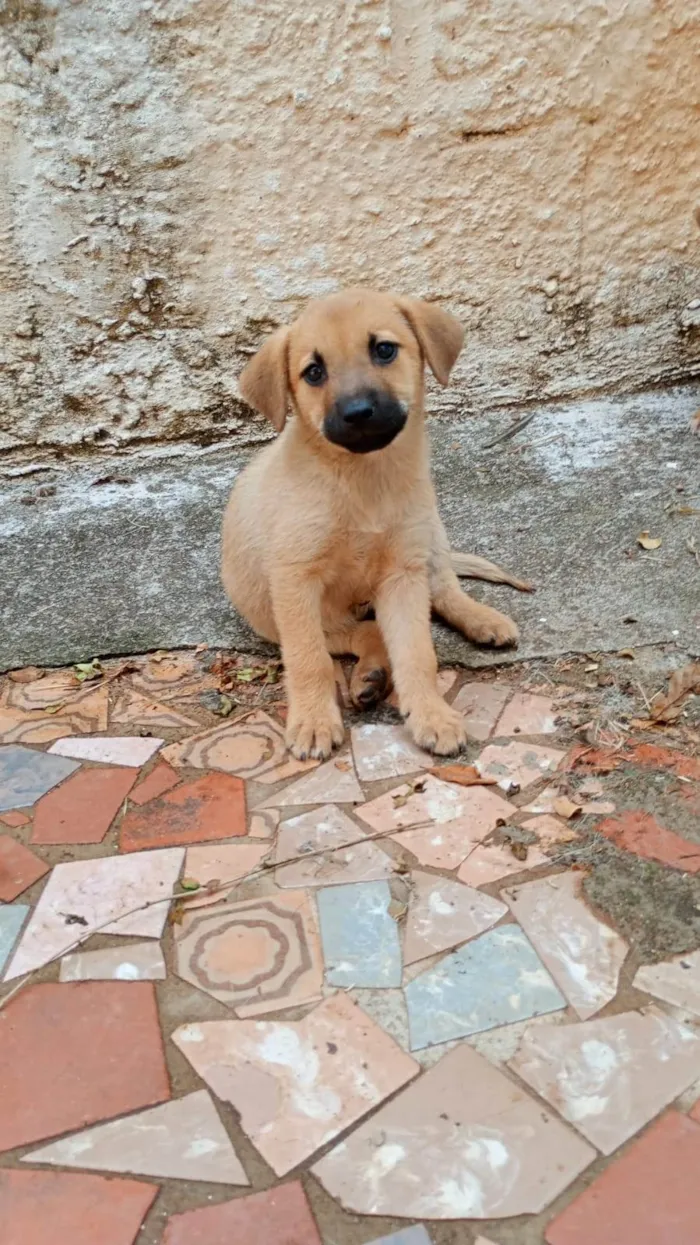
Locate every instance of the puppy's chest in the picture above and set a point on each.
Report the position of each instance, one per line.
(360, 559)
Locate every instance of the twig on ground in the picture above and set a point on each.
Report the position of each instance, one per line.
(510, 432)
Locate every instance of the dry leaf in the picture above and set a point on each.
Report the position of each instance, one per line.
(29, 675)
(344, 766)
(667, 708)
(647, 541)
(463, 775)
(629, 653)
(564, 807)
(397, 909)
(519, 850)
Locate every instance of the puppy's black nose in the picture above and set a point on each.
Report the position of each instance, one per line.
(356, 410)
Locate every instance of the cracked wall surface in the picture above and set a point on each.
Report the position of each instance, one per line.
(179, 175)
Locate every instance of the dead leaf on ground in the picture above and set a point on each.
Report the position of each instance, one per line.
(519, 850)
(189, 884)
(28, 675)
(682, 682)
(85, 671)
(629, 653)
(647, 541)
(463, 775)
(564, 807)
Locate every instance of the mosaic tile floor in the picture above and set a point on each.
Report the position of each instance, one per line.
(249, 999)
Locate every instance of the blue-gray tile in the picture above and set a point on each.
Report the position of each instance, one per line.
(407, 1236)
(12, 918)
(361, 944)
(26, 775)
(493, 980)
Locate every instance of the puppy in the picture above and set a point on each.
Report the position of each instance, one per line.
(339, 513)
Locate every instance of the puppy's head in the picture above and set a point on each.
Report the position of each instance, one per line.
(352, 366)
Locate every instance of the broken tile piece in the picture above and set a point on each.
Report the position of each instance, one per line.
(583, 955)
(132, 750)
(263, 823)
(488, 862)
(173, 676)
(260, 955)
(12, 918)
(131, 708)
(648, 1196)
(452, 818)
(26, 775)
(493, 980)
(14, 819)
(38, 1208)
(550, 830)
(140, 961)
(610, 1077)
(19, 868)
(252, 748)
(49, 708)
(677, 981)
(332, 783)
(161, 779)
(71, 1055)
(180, 1140)
(442, 914)
(462, 1142)
(210, 808)
(328, 827)
(527, 715)
(224, 863)
(481, 704)
(281, 1215)
(639, 832)
(297, 1084)
(517, 764)
(383, 751)
(361, 945)
(83, 808)
(407, 1236)
(97, 893)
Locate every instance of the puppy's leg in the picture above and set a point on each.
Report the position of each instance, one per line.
(370, 681)
(477, 622)
(314, 723)
(402, 607)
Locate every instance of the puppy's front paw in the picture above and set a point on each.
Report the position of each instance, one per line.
(437, 727)
(488, 626)
(314, 732)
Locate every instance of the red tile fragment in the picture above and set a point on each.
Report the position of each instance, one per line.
(209, 809)
(161, 778)
(52, 1208)
(82, 808)
(19, 868)
(654, 756)
(649, 1196)
(280, 1215)
(75, 1054)
(14, 819)
(640, 833)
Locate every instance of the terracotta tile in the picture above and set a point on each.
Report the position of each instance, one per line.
(407, 1159)
(260, 955)
(676, 982)
(583, 955)
(36, 713)
(472, 811)
(26, 775)
(550, 830)
(12, 918)
(45, 1208)
(527, 715)
(161, 779)
(222, 862)
(263, 823)
(335, 782)
(496, 979)
(71, 1055)
(281, 1215)
(180, 1140)
(518, 764)
(15, 819)
(83, 808)
(131, 708)
(173, 676)
(640, 833)
(251, 748)
(132, 750)
(19, 868)
(297, 1084)
(649, 1196)
(54, 690)
(610, 1077)
(361, 945)
(441, 914)
(328, 827)
(383, 751)
(481, 704)
(654, 756)
(488, 862)
(102, 893)
(139, 961)
(210, 808)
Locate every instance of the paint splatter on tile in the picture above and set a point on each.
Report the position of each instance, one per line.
(82, 808)
(361, 945)
(481, 704)
(335, 782)
(297, 1084)
(383, 751)
(277, 1215)
(517, 765)
(180, 1140)
(19, 868)
(140, 961)
(324, 829)
(26, 775)
(583, 955)
(527, 715)
(442, 913)
(132, 750)
(37, 1208)
(495, 979)
(210, 808)
(253, 748)
(462, 1142)
(610, 1077)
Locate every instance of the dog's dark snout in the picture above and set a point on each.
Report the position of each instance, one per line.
(356, 410)
(364, 420)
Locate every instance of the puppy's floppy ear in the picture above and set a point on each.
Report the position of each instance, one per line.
(264, 382)
(440, 336)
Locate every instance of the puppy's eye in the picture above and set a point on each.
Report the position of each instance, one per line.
(314, 374)
(384, 352)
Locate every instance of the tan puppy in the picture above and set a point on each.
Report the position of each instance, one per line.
(339, 512)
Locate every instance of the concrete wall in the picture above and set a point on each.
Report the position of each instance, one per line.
(183, 173)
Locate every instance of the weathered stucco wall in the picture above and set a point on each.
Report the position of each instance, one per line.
(180, 174)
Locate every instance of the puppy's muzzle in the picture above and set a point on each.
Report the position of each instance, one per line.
(364, 421)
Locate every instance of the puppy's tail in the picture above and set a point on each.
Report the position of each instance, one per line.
(471, 566)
